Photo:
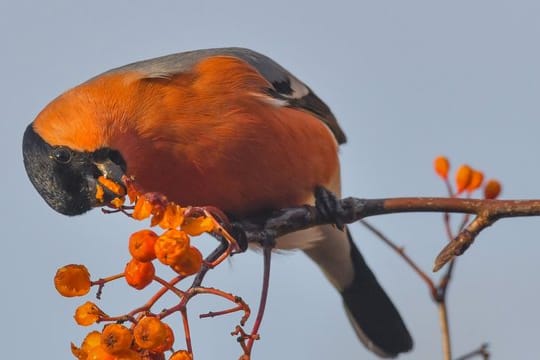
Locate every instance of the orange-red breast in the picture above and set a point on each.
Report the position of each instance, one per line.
(224, 127)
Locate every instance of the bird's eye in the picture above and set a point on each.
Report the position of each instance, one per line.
(62, 155)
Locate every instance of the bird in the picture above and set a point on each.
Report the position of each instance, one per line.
(227, 127)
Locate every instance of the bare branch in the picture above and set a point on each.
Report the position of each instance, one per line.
(445, 329)
(438, 293)
(401, 252)
(464, 239)
(350, 209)
(481, 352)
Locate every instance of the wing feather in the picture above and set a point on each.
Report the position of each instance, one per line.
(286, 89)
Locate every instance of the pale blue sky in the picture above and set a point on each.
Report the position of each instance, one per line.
(407, 81)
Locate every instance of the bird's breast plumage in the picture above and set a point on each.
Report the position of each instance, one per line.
(216, 141)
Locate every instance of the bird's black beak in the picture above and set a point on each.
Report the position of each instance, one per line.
(111, 170)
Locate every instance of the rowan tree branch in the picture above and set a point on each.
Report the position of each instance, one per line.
(349, 210)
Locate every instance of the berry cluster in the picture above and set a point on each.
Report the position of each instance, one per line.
(467, 179)
(142, 334)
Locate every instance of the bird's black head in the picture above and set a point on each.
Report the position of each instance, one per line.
(67, 179)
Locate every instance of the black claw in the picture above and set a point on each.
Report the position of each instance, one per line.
(328, 206)
(239, 235)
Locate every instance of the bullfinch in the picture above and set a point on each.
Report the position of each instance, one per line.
(226, 127)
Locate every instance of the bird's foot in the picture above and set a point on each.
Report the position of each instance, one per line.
(329, 206)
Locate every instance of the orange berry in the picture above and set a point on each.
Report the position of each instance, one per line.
(78, 352)
(173, 217)
(99, 193)
(492, 189)
(72, 280)
(116, 338)
(197, 226)
(477, 178)
(159, 213)
(88, 314)
(143, 208)
(168, 342)
(141, 245)
(99, 353)
(463, 177)
(133, 192)
(112, 186)
(150, 333)
(441, 165)
(118, 202)
(139, 274)
(129, 355)
(190, 263)
(91, 340)
(171, 246)
(181, 355)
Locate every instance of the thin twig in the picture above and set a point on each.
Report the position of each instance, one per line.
(101, 283)
(169, 287)
(213, 256)
(445, 331)
(438, 293)
(187, 333)
(254, 335)
(401, 252)
(482, 351)
(464, 239)
(212, 314)
(445, 280)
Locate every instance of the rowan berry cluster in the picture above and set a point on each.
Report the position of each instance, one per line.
(467, 180)
(142, 334)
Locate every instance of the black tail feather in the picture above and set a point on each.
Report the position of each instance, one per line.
(375, 318)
